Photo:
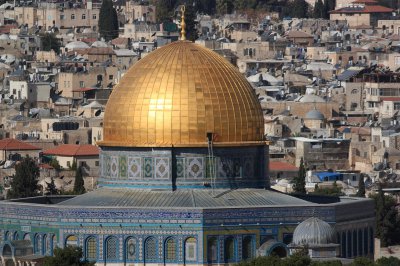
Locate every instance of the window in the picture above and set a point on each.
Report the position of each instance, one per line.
(396, 106)
(37, 244)
(131, 249)
(54, 240)
(111, 248)
(96, 163)
(91, 248)
(72, 16)
(212, 249)
(150, 249)
(247, 248)
(7, 236)
(170, 249)
(94, 16)
(45, 247)
(81, 84)
(69, 163)
(110, 77)
(83, 16)
(229, 249)
(190, 249)
(16, 236)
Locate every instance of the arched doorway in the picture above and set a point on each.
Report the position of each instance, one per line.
(279, 251)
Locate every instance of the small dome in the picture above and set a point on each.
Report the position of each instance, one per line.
(315, 115)
(313, 231)
(4, 37)
(99, 44)
(309, 98)
(76, 45)
(87, 30)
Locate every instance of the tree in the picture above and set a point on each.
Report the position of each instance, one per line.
(334, 191)
(108, 21)
(362, 261)
(361, 187)
(299, 182)
(50, 42)
(55, 164)
(319, 9)
(51, 188)
(329, 5)
(224, 6)
(296, 9)
(68, 256)
(79, 185)
(391, 261)
(387, 223)
(25, 180)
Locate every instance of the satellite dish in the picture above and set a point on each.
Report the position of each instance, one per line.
(97, 113)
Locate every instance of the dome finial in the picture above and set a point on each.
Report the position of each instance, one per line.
(183, 24)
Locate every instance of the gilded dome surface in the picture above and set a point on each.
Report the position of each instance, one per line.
(178, 93)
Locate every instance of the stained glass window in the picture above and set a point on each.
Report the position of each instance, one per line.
(45, 244)
(91, 248)
(131, 249)
(112, 248)
(7, 236)
(37, 244)
(170, 249)
(151, 249)
(16, 236)
(229, 249)
(247, 248)
(190, 249)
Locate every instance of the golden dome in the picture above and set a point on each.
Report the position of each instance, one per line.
(178, 93)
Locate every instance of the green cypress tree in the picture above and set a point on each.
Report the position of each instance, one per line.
(329, 5)
(50, 42)
(224, 6)
(79, 185)
(108, 21)
(361, 187)
(25, 180)
(51, 188)
(319, 9)
(299, 182)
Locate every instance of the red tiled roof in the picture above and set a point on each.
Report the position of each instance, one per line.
(14, 145)
(365, 9)
(282, 166)
(45, 166)
(73, 150)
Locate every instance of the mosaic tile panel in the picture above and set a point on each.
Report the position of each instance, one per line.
(135, 167)
(148, 167)
(123, 167)
(195, 167)
(180, 167)
(162, 168)
(108, 165)
(248, 170)
(225, 167)
(236, 167)
(114, 167)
